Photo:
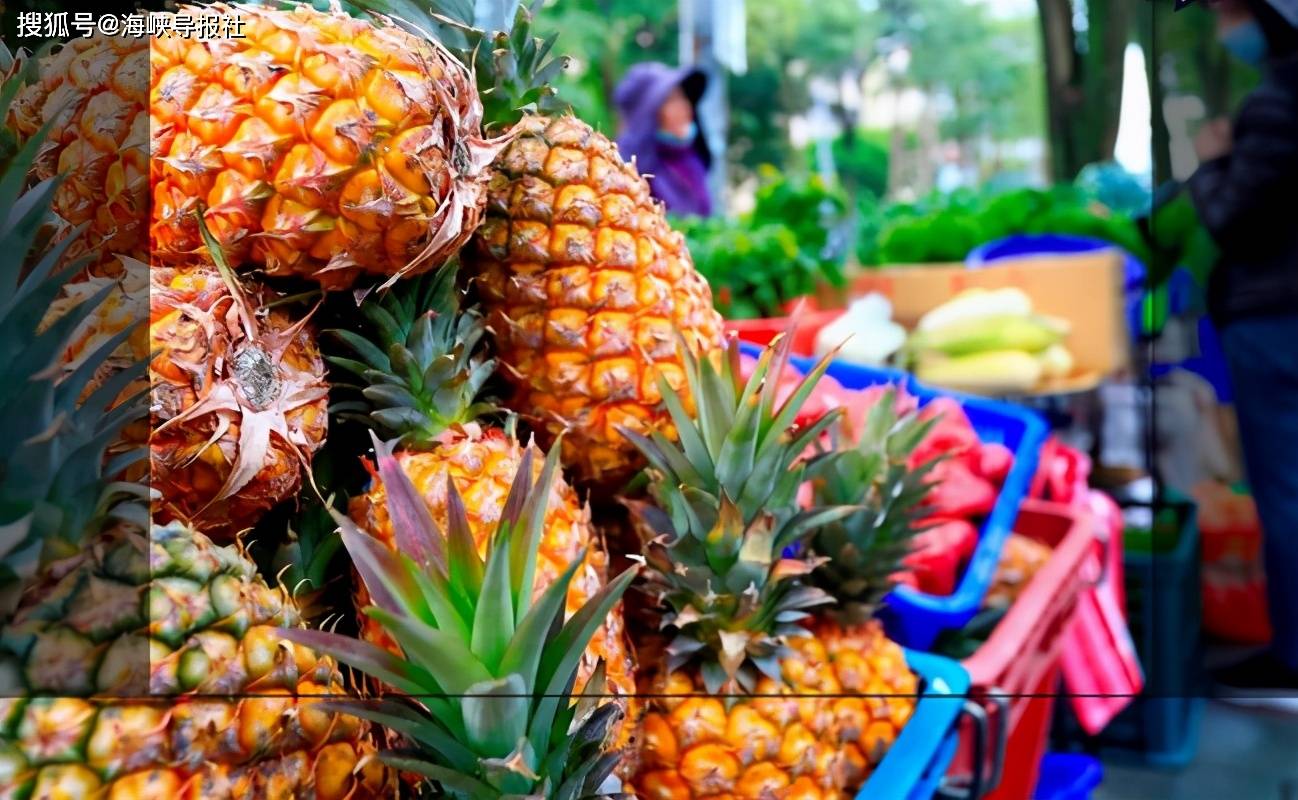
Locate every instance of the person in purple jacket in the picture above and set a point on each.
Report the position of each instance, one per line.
(659, 130)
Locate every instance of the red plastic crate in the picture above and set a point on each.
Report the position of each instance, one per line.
(802, 312)
(1101, 669)
(1015, 673)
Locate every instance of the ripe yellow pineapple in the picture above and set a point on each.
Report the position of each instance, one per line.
(753, 694)
(149, 667)
(422, 371)
(135, 663)
(588, 289)
(322, 145)
(239, 401)
(96, 92)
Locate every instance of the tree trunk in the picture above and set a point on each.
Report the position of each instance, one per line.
(1083, 91)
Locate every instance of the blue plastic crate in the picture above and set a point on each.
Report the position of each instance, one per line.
(916, 763)
(913, 618)
(1068, 776)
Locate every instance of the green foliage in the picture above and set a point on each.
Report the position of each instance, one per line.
(860, 161)
(794, 240)
(987, 66)
(1179, 239)
(945, 228)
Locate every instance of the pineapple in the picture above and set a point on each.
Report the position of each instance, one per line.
(755, 698)
(54, 422)
(239, 401)
(94, 93)
(422, 372)
(585, 284)
(1020, 562)
(862, 553)
(151, 667)
(483, 695)
(323, 146)
(121, 653)
(866, 550)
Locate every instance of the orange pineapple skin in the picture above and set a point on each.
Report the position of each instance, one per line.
(587, 289)
(250, 723)
(804, 737)
(482, 463)
(201, 399)
(100, 144)
(324, 146)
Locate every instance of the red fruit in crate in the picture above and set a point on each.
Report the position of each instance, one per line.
(953, 436)
(994, 462)
(939, 556)
(860, 401)
(957, 492)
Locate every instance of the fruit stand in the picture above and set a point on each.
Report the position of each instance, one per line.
(402, 449)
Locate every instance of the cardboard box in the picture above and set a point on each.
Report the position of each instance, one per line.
(1085, 289)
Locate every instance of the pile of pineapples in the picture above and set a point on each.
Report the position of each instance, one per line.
(383, 271)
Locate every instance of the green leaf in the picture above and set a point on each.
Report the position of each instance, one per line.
(523, 655)
(413, 528)
(438, 596)
(493, 621)
(373, 661)
(526, 541)
(453, 780)
(389, 582)
(465, 566)
(374, 357)
(444, 656)
(495, 715)
(559, 661)
(414, 725)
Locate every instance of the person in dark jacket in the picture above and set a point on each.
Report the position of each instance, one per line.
(657, 104)
(1244, 192)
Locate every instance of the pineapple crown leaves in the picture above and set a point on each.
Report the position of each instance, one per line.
(864, 550)
(303, 559)
(487, 672)
(52, 482)
(729, 518)
(419, 361)
(493, 38)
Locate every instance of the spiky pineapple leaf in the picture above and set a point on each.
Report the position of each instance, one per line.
(417, 361)
(728, 492)
(863, 552)
(490, 698)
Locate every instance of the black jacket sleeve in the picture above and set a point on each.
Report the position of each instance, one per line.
(1240, 196)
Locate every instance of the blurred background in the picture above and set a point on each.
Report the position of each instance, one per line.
(901, 98)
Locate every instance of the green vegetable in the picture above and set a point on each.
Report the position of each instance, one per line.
(944, 228)
(795, 240)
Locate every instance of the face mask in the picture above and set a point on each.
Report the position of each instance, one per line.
(680, 141)
(1246, 42)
